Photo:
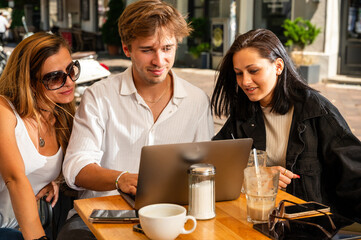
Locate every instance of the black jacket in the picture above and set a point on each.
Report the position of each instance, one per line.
(321, 149)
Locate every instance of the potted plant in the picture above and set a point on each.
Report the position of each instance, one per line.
(299, 34)
(196, 51)
(109, 29)
(199, 47)
(201, 51)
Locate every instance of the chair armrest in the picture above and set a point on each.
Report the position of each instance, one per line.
(45, 212)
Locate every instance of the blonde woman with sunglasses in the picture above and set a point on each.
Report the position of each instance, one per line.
(36, 114)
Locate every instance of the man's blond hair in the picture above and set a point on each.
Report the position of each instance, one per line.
(145, 17)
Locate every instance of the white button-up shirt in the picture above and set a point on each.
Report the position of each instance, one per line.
(4, 24)
(113, 123)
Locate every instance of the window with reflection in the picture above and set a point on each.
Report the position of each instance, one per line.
(354, 19)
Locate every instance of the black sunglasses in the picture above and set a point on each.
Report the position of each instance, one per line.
(277, 221)
(57, 79)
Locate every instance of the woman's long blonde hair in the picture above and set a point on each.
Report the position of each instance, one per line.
(21, 83)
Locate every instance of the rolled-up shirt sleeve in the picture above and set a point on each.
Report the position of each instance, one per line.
(85, 144)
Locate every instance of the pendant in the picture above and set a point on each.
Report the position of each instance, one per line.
(41, 142)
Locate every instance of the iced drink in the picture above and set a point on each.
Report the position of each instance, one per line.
(261, 191)
(259, 208)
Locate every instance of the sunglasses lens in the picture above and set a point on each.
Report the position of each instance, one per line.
(54, 80)
(280, 229)
(74, 71)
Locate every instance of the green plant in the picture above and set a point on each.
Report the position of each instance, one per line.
(300, 32)
(200, 30)
(16, 16)
(109, 29)
(196, 51)
(198, 40)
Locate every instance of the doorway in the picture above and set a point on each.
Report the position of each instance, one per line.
(350, 38)
(271, 14)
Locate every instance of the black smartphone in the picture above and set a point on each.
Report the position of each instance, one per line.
(305, 209)
(113, 216)
(138, 228)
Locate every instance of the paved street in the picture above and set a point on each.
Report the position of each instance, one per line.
(347, 98)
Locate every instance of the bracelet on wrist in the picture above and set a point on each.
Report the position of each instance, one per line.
(116, 181)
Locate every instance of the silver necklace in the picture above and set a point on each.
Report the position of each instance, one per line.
(160, 97)
(41, 142)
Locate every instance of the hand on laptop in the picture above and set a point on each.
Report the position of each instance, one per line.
(285, 177)
(128, 183)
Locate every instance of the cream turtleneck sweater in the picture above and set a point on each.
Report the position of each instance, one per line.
(277, 133)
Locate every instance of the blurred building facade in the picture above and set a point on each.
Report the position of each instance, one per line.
(336, 49)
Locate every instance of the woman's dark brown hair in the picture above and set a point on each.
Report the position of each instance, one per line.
(228, 98)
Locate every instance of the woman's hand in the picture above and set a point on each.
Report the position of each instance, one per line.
(285, 176)
(51, 191)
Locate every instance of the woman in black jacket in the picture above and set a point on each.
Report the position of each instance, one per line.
(304, 135)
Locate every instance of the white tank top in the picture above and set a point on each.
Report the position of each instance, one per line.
(39, 169)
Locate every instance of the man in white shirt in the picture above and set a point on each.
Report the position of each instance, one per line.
(4, 25)
(145, 105)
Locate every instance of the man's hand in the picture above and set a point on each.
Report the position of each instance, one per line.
(128, 183)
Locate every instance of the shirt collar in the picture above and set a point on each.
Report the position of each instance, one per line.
(179, 91)
(127, 86)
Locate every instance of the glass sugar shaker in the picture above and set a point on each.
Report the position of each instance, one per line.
(201, 178)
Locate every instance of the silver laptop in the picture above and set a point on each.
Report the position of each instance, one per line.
(163, 169)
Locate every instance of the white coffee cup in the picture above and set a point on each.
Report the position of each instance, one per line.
(164, 221)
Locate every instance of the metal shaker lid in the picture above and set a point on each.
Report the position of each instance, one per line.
(202, 169)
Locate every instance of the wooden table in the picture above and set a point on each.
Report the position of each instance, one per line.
(229, 223)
